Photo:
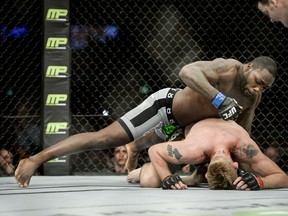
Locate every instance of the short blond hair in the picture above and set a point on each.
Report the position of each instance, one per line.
(220, 175)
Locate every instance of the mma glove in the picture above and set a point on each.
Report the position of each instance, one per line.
(253, 182)
(228, 108)
(170, 181)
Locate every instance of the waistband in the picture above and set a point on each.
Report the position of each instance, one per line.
(173, 123)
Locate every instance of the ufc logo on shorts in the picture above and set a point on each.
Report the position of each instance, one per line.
(231, 112)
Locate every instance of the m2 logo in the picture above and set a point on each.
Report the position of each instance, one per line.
(56, 128)
(57, 71)
(57, 15)
(56, 43)
(56, 100)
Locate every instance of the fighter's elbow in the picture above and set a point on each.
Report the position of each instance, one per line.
(184, 72)
(152, 151)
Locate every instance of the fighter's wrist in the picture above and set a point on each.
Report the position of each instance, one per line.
(218, 100)
(260, 182)
(170, 181)
(166, 178)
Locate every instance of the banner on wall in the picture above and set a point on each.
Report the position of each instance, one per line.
(56, 81)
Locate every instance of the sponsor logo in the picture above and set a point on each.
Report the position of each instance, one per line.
(57, 71)
(57, 15)
(231, 112)
(58, 160)
(56, 100)
(56, 43)
(56, 128)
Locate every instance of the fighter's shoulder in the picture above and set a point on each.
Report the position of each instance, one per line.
(226, 64)
(246, 148)
(227, 60)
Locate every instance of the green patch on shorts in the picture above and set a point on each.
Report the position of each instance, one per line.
(169, 129)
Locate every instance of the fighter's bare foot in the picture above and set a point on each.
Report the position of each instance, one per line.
(26, 168)
(132, 159)
(134, 176)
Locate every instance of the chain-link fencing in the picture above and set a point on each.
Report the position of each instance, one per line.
(20, 72)
(124, 50)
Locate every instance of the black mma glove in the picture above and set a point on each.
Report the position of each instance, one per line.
(253, 182)
(170, 181)
(228, 108)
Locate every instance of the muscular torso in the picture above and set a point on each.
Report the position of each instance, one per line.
(190, 106)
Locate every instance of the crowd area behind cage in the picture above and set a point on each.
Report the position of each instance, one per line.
(122, 51)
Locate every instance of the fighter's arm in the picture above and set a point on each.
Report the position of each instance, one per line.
(246, 117)
(170, 152)
(266, 173)
(270, 173)
(207, 77)
(202, 76)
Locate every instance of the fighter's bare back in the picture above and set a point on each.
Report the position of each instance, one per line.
(210, 136)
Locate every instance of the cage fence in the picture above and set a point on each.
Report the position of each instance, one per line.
(124, 50)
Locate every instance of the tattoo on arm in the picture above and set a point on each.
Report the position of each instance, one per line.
(174, 152)
(177, 154)
(249, 151)
(170, 150)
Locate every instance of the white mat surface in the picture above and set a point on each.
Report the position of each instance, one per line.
(112, 195)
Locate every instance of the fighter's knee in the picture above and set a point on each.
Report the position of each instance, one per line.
(150, 181)
(151, 151)
(149, 177)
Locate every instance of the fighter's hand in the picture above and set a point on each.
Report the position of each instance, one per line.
(248, 181)
(173, 182)
(26, 168)
(240, 184)
(228, 108)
